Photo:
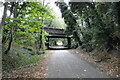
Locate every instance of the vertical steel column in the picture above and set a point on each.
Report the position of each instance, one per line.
(48, 43)
(69, 42)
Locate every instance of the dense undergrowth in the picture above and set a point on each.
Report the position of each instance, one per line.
(19, 57)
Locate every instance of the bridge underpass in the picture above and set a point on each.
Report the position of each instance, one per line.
(68, 46)
(55, 33)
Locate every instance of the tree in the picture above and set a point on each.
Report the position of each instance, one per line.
(94, 26)
(99, 24)
(22, 26)
(4, 15)
(70, 20)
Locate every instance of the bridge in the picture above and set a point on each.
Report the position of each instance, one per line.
(57, 33)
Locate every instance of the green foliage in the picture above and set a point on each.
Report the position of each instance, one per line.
(58, 23)
(23, 27)
(96, 24)
(27, 27)
(19, 58)
(70, 20)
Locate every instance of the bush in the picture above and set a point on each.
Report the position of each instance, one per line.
(18, 58)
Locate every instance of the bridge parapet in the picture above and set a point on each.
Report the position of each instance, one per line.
(54, 31)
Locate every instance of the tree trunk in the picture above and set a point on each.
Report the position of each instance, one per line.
(41, 33)
(50, 23)
(88, 22)
(40, 45)
(117, 7)
(4, 39)
(77, 38)
(14, 11)
(10, 42)
(4, 15)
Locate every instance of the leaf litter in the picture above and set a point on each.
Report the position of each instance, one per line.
(37, 70)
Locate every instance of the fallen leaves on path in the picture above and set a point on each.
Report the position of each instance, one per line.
(107, 63)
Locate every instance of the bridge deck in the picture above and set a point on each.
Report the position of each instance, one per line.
(54, 31)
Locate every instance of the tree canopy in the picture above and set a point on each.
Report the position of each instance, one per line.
(24, 24)
(91, 25)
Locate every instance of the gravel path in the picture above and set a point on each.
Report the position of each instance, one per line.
(64, 64)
